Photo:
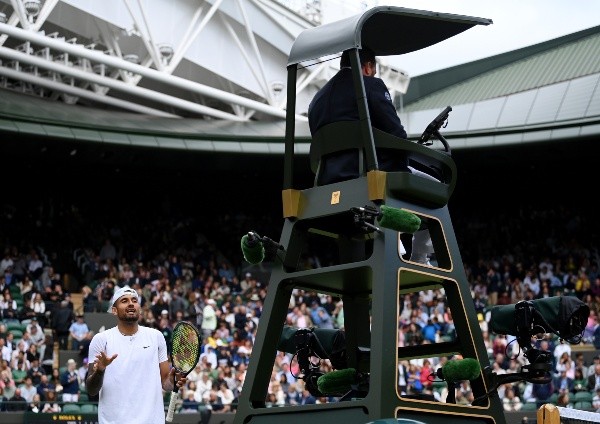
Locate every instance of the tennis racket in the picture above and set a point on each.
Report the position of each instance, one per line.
(185, 352)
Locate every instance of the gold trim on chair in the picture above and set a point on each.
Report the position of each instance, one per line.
(291, 200)
(376, 184)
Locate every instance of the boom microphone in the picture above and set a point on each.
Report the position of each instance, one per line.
(459, 370)
(398, 220)
(252, 248)
(337, 382)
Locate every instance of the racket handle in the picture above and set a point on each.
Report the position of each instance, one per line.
(172, 404)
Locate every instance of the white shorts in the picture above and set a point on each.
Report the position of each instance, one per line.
(69, 397)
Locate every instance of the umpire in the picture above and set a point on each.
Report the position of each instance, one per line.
(336, 101)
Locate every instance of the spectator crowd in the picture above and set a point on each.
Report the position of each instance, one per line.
(181, 274)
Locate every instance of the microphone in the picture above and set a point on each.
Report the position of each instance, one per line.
(398, 220)
(337, 382)
(253, 239)
(252, 248)
(271, 244)
(459, 370)
(434, 126)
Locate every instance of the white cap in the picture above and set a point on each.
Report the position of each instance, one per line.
(71, 361)
(120, 293)
(211, 302)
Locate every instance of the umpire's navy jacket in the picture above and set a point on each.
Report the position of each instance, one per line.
(336, 101)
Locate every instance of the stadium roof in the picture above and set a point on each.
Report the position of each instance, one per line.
(558, 60)
(543, 92)
(27, 115)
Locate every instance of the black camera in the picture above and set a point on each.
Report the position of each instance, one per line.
(565, 316)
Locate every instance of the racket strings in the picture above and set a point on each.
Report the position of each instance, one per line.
(186, 348)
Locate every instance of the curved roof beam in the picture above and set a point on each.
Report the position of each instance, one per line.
(254, 44)
(115, 84)
(80, 92)
(145, 34)
(96, 56)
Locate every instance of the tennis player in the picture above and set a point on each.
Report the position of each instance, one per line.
(129, 367)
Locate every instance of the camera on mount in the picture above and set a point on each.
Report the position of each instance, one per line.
(564, 316)
(314, 344)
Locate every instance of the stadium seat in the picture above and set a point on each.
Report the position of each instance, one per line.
(72, 408)
(439, 386)
(583, 405)
(553, 398)
(89, 408)
(83, 397)
(17, 333)
(14, 290)
(583, 396)
(15, 325)
(529, 406)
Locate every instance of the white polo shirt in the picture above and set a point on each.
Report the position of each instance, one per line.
(132, 390)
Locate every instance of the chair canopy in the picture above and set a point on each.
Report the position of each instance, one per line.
(386, 30)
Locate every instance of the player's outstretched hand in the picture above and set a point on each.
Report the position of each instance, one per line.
(102, 361)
